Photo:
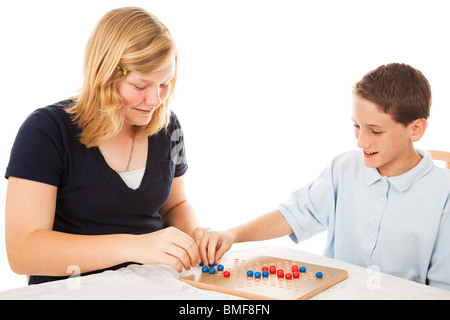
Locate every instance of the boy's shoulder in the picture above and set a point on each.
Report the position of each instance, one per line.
(437, 185)
(348, 167)
(349, 159)
(441, 176)
(350, 154)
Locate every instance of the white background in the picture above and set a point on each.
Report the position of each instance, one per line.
(264, 90)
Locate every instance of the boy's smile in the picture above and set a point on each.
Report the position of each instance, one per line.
(386, 144)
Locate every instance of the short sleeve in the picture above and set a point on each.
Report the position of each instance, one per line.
(37, 150)
(308, 209)
(177, 143)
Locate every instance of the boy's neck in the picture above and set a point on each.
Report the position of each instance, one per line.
(402, 164)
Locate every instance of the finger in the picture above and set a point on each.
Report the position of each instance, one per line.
(180, 254)
(191, 250)
(193, 253)
(172, 261)
(221, 251)
(192, 247)
(212, 244)
(203, 249)
(198, 234)
(187, 244)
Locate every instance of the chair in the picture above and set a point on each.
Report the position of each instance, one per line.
(442, 156)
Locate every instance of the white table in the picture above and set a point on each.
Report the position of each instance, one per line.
(161, 282)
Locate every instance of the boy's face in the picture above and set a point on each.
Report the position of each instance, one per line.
(386, 144)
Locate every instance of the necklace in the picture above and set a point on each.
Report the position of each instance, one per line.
(131, 154)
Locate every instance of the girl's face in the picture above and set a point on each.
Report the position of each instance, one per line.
(142, 94)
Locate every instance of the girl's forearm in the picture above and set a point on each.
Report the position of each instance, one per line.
(58, 254)
(182, 217)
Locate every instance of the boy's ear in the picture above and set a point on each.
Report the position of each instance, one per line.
(418, 128)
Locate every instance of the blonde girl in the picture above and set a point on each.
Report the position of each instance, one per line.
(96, 181)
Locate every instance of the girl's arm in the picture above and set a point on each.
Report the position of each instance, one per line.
(33, 248)
(177, 211)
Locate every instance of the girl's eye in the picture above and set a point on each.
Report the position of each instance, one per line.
(138, 88)
(356, 126)
(165, 85)
(376, 132)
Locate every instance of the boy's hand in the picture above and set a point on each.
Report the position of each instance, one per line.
(212, 245)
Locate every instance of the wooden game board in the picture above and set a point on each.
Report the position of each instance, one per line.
(272, 287)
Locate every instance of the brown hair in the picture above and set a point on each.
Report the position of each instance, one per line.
(398, 90)
(133, 39)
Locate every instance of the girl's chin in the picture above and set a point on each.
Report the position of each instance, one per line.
(138, 122)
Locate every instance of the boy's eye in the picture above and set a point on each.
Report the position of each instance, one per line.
(356, 126)
(376, 132)
(164, 85)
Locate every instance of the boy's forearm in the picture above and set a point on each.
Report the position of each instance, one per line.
(268, 226)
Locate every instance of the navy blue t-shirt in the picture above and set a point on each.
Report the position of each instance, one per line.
(92, 198)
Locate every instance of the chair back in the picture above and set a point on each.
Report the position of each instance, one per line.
(442, 156)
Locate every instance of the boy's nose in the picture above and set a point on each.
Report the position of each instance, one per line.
(362, 142)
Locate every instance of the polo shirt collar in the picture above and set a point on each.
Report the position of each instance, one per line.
(403, 182)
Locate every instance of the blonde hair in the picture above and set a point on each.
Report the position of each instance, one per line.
(136, 40)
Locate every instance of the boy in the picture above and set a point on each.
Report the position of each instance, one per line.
(388, 205)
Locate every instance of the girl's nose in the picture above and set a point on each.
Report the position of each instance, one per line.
(153, 98)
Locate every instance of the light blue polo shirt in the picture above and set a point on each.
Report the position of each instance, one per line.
(400, 225)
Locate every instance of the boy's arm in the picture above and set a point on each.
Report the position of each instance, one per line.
(305, 213)
(438, 275)
(268, 226)
(213, 244)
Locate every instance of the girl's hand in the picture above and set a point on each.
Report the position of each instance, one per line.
(212, 245)
(168, 246)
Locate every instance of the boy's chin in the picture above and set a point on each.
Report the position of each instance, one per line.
(370, 163)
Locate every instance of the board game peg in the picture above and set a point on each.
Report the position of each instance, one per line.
(273, 269)
(205, 269)
(257, 274)
(226, 274)
(265, 273)
(296, 275)
(212, 270)
(249, 273)
(212, 264)
(319, 274)
(201, 264)
(220, 267)
(265, 268)
(280, 273)
(302, 269)
(288, 276)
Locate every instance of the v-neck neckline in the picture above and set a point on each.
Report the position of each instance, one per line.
(115, 176)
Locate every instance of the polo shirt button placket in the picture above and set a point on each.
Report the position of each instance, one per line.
(374, 224)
